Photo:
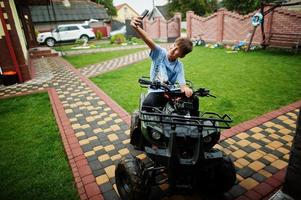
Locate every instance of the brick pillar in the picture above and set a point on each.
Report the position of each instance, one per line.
(269, 21)
(188, 23)
(220, 25)
(158, 19)
(178, 17)
(144, 24)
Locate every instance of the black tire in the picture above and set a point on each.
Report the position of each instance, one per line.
(211, 140)
(221, 179)
(137, 139)
(135, 122)
(129, 180)
(50, 42)
(84, 38)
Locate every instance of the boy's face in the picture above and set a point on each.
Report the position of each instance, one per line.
(174, 52)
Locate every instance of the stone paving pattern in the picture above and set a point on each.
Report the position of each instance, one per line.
(98, 135)
(99, 68)
(96, 50)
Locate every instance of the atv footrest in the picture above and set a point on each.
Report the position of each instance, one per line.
(158, 155)
(213, 155)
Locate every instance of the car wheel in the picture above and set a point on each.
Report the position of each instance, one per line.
(129, 179)
(50, 42)
(84, 38)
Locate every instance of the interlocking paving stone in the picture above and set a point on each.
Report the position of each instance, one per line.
(259, 152)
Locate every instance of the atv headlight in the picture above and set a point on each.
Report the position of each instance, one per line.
(156, 135)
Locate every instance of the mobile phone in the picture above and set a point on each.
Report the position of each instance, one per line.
(144, 13)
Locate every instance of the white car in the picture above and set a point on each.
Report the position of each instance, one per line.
(122, 30)
(65, 33)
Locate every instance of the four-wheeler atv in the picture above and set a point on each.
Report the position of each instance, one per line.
(179, 145)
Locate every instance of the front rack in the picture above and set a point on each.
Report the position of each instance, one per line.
(216, 120)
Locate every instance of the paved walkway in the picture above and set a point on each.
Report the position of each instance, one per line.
(96, 50)
(95, 133)
(99, 68)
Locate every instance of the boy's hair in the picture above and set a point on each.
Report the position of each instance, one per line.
(184, 44)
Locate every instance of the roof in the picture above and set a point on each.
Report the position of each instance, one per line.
(83, 10)
(118, 7)
(164, 11)
(160, 11)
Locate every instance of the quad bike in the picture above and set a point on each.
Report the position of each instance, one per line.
(179, 145)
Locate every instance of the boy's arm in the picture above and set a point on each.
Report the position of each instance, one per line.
(135, 23)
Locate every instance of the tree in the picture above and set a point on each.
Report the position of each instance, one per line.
(200, 7)
(243, 6)
(108, 4)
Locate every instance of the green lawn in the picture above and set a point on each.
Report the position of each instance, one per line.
(33, 164)
(93, 43)
(83, 60)
(246, 84)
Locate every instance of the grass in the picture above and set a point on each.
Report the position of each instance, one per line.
(246, 84)
(79, 61)
(33, 164)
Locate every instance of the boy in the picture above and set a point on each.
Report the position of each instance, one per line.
(165, 65)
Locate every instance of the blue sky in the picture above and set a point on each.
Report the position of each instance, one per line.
(140, 5)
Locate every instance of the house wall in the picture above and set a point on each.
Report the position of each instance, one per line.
(229, 27)
(163, 30)
(19, 28)
(125, 12)
(14, 40)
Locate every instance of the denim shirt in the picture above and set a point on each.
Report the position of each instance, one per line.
(164, 70)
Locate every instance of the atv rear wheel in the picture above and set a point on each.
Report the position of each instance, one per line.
(221, 179)
(129, 179)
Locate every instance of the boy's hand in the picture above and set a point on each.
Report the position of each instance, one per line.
(136, 22)
(186, 90)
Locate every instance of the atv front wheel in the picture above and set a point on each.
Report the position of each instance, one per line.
(211, 140)
(220, 179)
(137, 139)
(129, 179)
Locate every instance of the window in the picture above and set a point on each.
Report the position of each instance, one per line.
(62, 28)
(73, 28)
(86, 26)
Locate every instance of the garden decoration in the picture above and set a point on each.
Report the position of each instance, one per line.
(178, 141)
(258, 18)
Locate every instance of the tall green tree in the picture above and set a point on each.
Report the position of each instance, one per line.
(200, 7)
(243, 6)
(108, 4)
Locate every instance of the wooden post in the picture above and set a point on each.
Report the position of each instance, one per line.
(251, 39)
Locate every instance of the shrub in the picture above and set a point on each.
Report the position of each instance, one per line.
(36, 32)
(118, 38)
(79, 41)
(98, 35)
(135, 40)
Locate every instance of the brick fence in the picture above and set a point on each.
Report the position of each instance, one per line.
(164, 30)
(229, 27)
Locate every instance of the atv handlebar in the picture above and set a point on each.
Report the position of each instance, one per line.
(155, 84)
(201, 92)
